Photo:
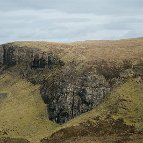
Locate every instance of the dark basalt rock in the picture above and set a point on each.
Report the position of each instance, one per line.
(8, 56)
(66, 91)
(67, 98)
(34, 58)
(2, 97)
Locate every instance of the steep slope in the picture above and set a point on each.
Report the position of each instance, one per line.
(112, 50)
(118, 119)
(22, 112)
(94, 86)
(82, 73)
(89, 51)
(125, 102)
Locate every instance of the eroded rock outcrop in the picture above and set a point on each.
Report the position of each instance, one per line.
(68, 97)
(68, 90)
(34, 58)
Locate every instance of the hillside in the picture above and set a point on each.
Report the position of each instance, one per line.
(112, 121)
(89, 91)
(23, 113)
(91, 50)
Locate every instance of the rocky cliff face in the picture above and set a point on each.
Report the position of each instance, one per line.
(67, 91)
(11, 56)
(70, 95)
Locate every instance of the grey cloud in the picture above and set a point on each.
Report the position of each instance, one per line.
(78, 6)
(70, 20)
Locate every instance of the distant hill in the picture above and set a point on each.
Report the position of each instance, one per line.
(86, 91)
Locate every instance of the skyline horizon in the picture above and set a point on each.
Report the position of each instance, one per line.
(70, 20)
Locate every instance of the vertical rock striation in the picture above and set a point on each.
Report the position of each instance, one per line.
(67, 97)
(67, 89)
(11, 55)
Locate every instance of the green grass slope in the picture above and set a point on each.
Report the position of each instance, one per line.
(110, 122)
(22, 113)
(124, 102)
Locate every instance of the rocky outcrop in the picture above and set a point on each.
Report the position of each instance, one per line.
(67, 93)
(70, 95)
(3, 96)
(67, 90)
(34, 58)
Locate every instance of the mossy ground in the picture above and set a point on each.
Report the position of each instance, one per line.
(124, 102)
(23, 113)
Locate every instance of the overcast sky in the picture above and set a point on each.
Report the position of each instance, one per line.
(70, 20)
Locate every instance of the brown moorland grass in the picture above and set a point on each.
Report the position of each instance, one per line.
(85, 51)
(32, 122)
